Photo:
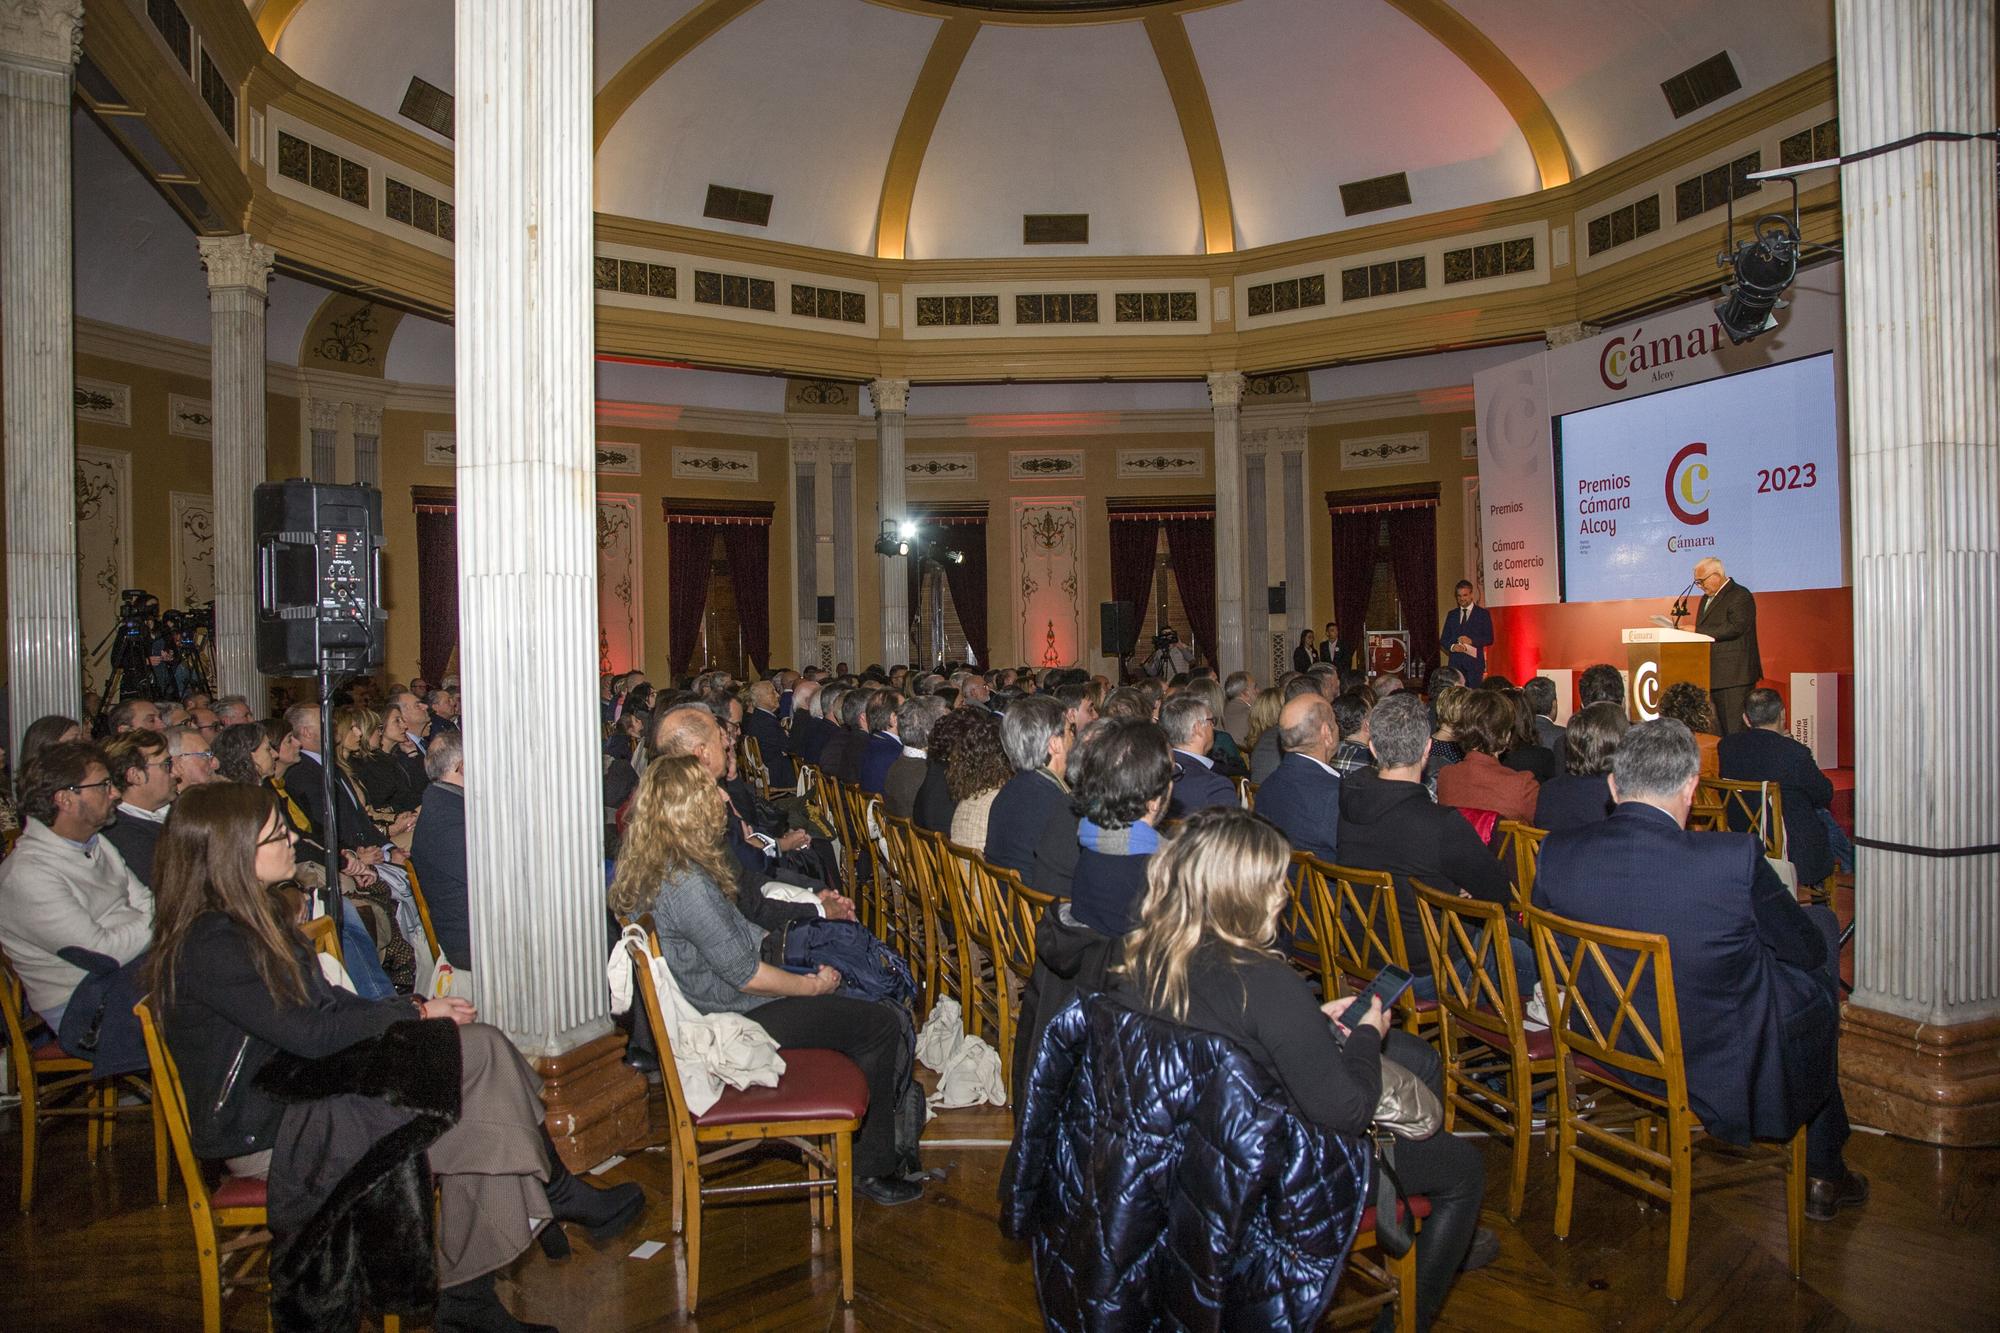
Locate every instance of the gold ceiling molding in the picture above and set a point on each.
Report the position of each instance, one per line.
(1504, 79)
(658, 56)
(274, 18)
(1053, 17)
(1182, 72)
(913, 137)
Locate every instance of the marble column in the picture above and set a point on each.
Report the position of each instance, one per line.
(1256, 555)
(527, 557)
(805, 550)
(840, 475)
(39, 41)
(1225, 393)
(1291, 447)
(238, 270)
(892, 406)
(1921, 1054)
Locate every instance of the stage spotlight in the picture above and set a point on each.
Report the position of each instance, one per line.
(1763, 267)
(907, 530)
(891, 542)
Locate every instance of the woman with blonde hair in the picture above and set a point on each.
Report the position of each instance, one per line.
(1264, 715)
(1203, 955)
(675, 864)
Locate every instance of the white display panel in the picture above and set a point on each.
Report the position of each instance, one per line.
(1745, 468)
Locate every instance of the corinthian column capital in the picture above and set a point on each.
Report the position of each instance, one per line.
(1225, 388)
(235, 261)
(890, 395)
(48, 32)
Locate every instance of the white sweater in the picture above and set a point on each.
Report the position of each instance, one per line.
(53, 896)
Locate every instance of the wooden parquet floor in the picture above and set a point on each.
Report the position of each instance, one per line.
(98, 1254)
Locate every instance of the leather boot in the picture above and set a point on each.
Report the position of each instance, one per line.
(474, 1307)
(605, 1212)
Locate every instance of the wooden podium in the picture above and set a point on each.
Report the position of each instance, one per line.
(1657, 657)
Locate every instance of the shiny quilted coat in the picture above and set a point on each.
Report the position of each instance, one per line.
(1165, 1183)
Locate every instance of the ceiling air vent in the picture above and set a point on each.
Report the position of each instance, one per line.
(1375, 194)
(1698, 85)
(1055, 229)
(729, 204)
(429, 106)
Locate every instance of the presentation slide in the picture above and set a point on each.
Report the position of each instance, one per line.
(1745, 468)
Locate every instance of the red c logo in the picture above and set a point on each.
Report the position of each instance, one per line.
(1687, 475)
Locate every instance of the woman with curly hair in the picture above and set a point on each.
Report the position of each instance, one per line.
(243, 754)
(1689, 705)
(675, 864)
(978, 770)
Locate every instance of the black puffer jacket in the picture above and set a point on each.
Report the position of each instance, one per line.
(1165, 1182)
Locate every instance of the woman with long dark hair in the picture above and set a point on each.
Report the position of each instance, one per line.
(236, 989)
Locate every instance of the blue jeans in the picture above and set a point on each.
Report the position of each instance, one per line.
(357, 953)
(1526, 973)
(1837, 841)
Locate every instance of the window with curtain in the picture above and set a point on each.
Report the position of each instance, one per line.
(721, 645)
(1385, 566)
(1165, 609)
(936, 635)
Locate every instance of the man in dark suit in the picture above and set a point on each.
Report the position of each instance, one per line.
(763, 726)
(1765, 752)
(1036, 734)
(1303, 797)
(809, 731)
(1728, 614)
(1331, 650)
(1467, 634)
(1755, 974)
(884, 745)
(437, 850)
(841, 758)
(1190, 729)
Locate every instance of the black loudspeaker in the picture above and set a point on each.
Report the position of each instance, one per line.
(1118, 627)
(1274, 599)
(319, 578)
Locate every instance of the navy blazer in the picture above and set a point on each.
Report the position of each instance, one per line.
(1757, 755)
(437, 849)
(1757, 1025)
(810, 735)
(774, 744)
(880, 751)
(841, 759)
(1570, 801)
(1021, 810)
(1197, 787)
(1476, 624)
(1303, 800)
(1730, 618)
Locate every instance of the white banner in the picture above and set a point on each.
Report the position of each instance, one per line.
(1517, 483)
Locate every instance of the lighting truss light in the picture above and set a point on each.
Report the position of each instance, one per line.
(1763, 267)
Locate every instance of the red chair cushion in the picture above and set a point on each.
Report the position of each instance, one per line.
(1541, 1041)
(1420, 1204)
(238, 1192)
(818, 1085)
(1606, 1074)
(50, 1050)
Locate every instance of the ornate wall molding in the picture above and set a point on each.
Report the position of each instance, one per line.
(621, 638)
(48, 32)
(103, 402)
(1372, 451)
(322, 414)
(1045, 463)
(1049, 582)
(193, 418)
(618, 459)
(1225, 388)
(890, 395)
(367, 418)
(192, 543)
(737, 465)
(822, 397)
(1162, 462)
(440, 448)
(918, 468)
(103, 545)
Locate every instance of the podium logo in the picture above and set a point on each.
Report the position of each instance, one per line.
(1646, 691)
(1687, 483)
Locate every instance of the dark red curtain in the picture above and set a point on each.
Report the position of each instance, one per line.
(688, 548)
(747, 546)
(1354, 552)
(437, 589)
(1135, 543)
(1191, 552)
(967, 581)
(1413, 564)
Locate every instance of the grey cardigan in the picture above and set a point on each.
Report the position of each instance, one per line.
(709, 945)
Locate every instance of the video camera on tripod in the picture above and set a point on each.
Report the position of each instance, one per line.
(153, 653)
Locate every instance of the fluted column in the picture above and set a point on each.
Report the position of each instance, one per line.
(367, 443)
(238, 271)
(805, 549)
(840, 477)
(1923, 415)
(1291, 446)
(1225, 393)
(892, 405)
(39, 40)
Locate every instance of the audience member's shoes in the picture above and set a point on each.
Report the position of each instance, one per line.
(1824, 1198)
(643, 1061)
(603, 1212)
(1484, 1250)
(474, 1307)
(889, 1190)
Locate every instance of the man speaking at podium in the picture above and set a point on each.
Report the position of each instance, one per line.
(1728, 614)
(1467, 634)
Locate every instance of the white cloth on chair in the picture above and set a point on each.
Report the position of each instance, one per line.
(711, 1051)
(967, 1066)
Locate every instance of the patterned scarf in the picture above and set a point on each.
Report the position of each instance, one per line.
(1132, 840)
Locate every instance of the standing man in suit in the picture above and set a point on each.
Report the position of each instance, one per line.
(1303, 797)
(1755, 974)
(1332, 651)
(1190, 729)
(1467, 634)
(1728, 614)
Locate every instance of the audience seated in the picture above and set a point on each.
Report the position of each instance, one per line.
(1303, 797)
(1582, 795)
(1350, 721)
(437, 850)
(1449, 707)
(1689, 705)
(774, 744)
(1524, 752)
(1127, 701)
(233, 710)
(884, 745)
(905, 778)
(842, 757)
(1037, 737)
(192, 761)
(243, 753)
(143, 776)
(979, 769)
(1095, 854)
(1766, 752)
(1260, 740)
(1479, 781)
(444, 708)
(1190, 728)
(675, 865)
(1541, 692)
(932, 806)
(40, 735)
(1756, 975)
(1601, 683)
(416, 716)
(1239, 695)
(1225, 756)
(136, 715)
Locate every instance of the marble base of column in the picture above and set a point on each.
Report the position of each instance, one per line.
(1922, 1081)
(596, 1103)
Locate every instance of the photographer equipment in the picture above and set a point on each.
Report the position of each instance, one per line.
(131, 643)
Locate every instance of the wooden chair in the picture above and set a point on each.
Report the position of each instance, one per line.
(1603, 1042)
(1726, 803)
(323, 933)
(938, 948)
(1009, 912)
(1302, 919)
(980, 988)
(229, 1221)
(754, 767)
(1390, 1280)
(423, 910)
(904, 917)
(1482, 1027)
(816, 1107)
(1355, 913)
(48, 1079)
(1522, 842)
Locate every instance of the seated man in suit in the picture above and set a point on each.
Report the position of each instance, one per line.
(1190, 728)
(884, 745)
(1756, 975)
(1036, 735)
(842, 757)
(144, 778)
(1766, 752)
(1541, 692)
(1303, 797)
(914, 721)
(763, 726)
(437, 850)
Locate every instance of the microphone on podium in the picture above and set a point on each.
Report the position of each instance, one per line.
(1681, 605)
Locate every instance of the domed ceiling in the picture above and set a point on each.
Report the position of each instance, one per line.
(930, 129)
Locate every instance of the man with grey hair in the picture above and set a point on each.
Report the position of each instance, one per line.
(774, 745)
(1541, 692)
(1756, 976)
(1036, 735)
(232, 709)
(914, 721)
(1190, 729)
(190, 759)
(1239, 691)
(1727, 614)
(437, 851)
